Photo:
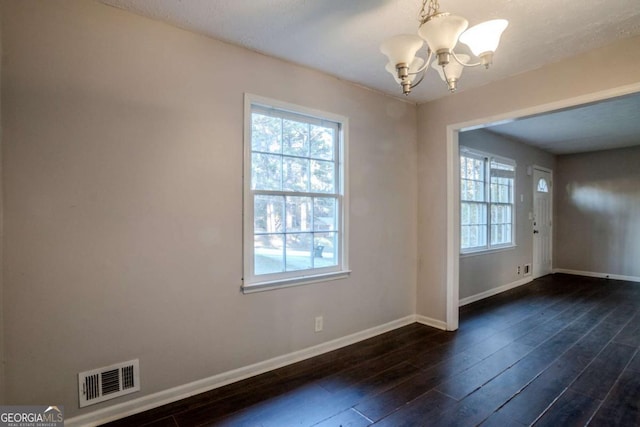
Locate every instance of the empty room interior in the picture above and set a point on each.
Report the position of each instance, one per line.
(301, 213)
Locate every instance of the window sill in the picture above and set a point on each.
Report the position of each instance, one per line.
(297, 281)
(488, 251)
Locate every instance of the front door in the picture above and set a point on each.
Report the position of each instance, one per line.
(542, 222)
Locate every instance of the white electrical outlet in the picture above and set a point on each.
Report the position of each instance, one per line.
(319, 323)
(518, 270)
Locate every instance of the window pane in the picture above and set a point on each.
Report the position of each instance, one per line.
(295, 174)
(501, 220)
(502, 190)
(464, 167)
(479, 193)
(502, 182)
(266, 133)
(268, 253)
(501, 214)
(481, 235)
(266, 172)
(465, 188)
(471, 236)
(472, 168)
(322, 142)
(325, 252)
(295, 137)
(501, 234)
(465, 213)
(473, 229)
(324, 214)
(475, 236)
(268, 214)
(299, 251)
(479, 166)
(542, 186)
(323, 176)
(472, 191)
(473, 213)
(501, 169)
(464, 237)
(298, 214)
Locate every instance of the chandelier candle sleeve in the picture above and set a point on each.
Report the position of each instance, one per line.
(414, 69)
(451, 72)
(441, 31)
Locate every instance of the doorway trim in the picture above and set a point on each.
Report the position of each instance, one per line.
(452, 279)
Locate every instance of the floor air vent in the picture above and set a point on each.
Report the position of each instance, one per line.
(109, 382)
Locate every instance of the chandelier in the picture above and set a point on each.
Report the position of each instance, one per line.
(441, 31)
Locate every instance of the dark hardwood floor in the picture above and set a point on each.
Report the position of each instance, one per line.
(561, 351)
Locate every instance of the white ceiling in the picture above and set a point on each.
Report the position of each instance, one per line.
(614, 123)
(342, 38)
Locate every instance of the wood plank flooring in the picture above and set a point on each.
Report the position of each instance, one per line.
(561, 351)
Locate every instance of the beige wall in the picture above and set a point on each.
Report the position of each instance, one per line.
(576, 77)
(484, 271)
(121, 169)
(123, 203)
(597, 212)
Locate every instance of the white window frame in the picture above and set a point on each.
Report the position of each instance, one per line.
(488, 158)
(255, 283)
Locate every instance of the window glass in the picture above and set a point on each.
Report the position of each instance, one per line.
(542, 186)
(487, 187)
(295, 220)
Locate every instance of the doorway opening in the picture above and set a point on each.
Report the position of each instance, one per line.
(453, 182)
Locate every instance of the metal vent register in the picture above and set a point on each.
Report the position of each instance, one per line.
(108, 382)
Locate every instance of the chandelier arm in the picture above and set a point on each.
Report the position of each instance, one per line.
(424, 67)
(475, 64)
(444, 73)
(451, 85)
(419, 81)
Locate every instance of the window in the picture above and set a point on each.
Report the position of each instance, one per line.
(294, 210)
(487, 210)
(542, 186)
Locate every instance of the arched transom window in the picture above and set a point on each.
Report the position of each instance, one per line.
(543, 187)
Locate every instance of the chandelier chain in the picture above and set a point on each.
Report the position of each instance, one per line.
(429, 8)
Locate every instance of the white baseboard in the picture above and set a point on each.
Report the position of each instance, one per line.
(155, 400)
(599, 275)
(494, 291)
(439, 324)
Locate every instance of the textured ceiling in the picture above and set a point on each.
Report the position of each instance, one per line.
(614, 123)
(342, 37)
